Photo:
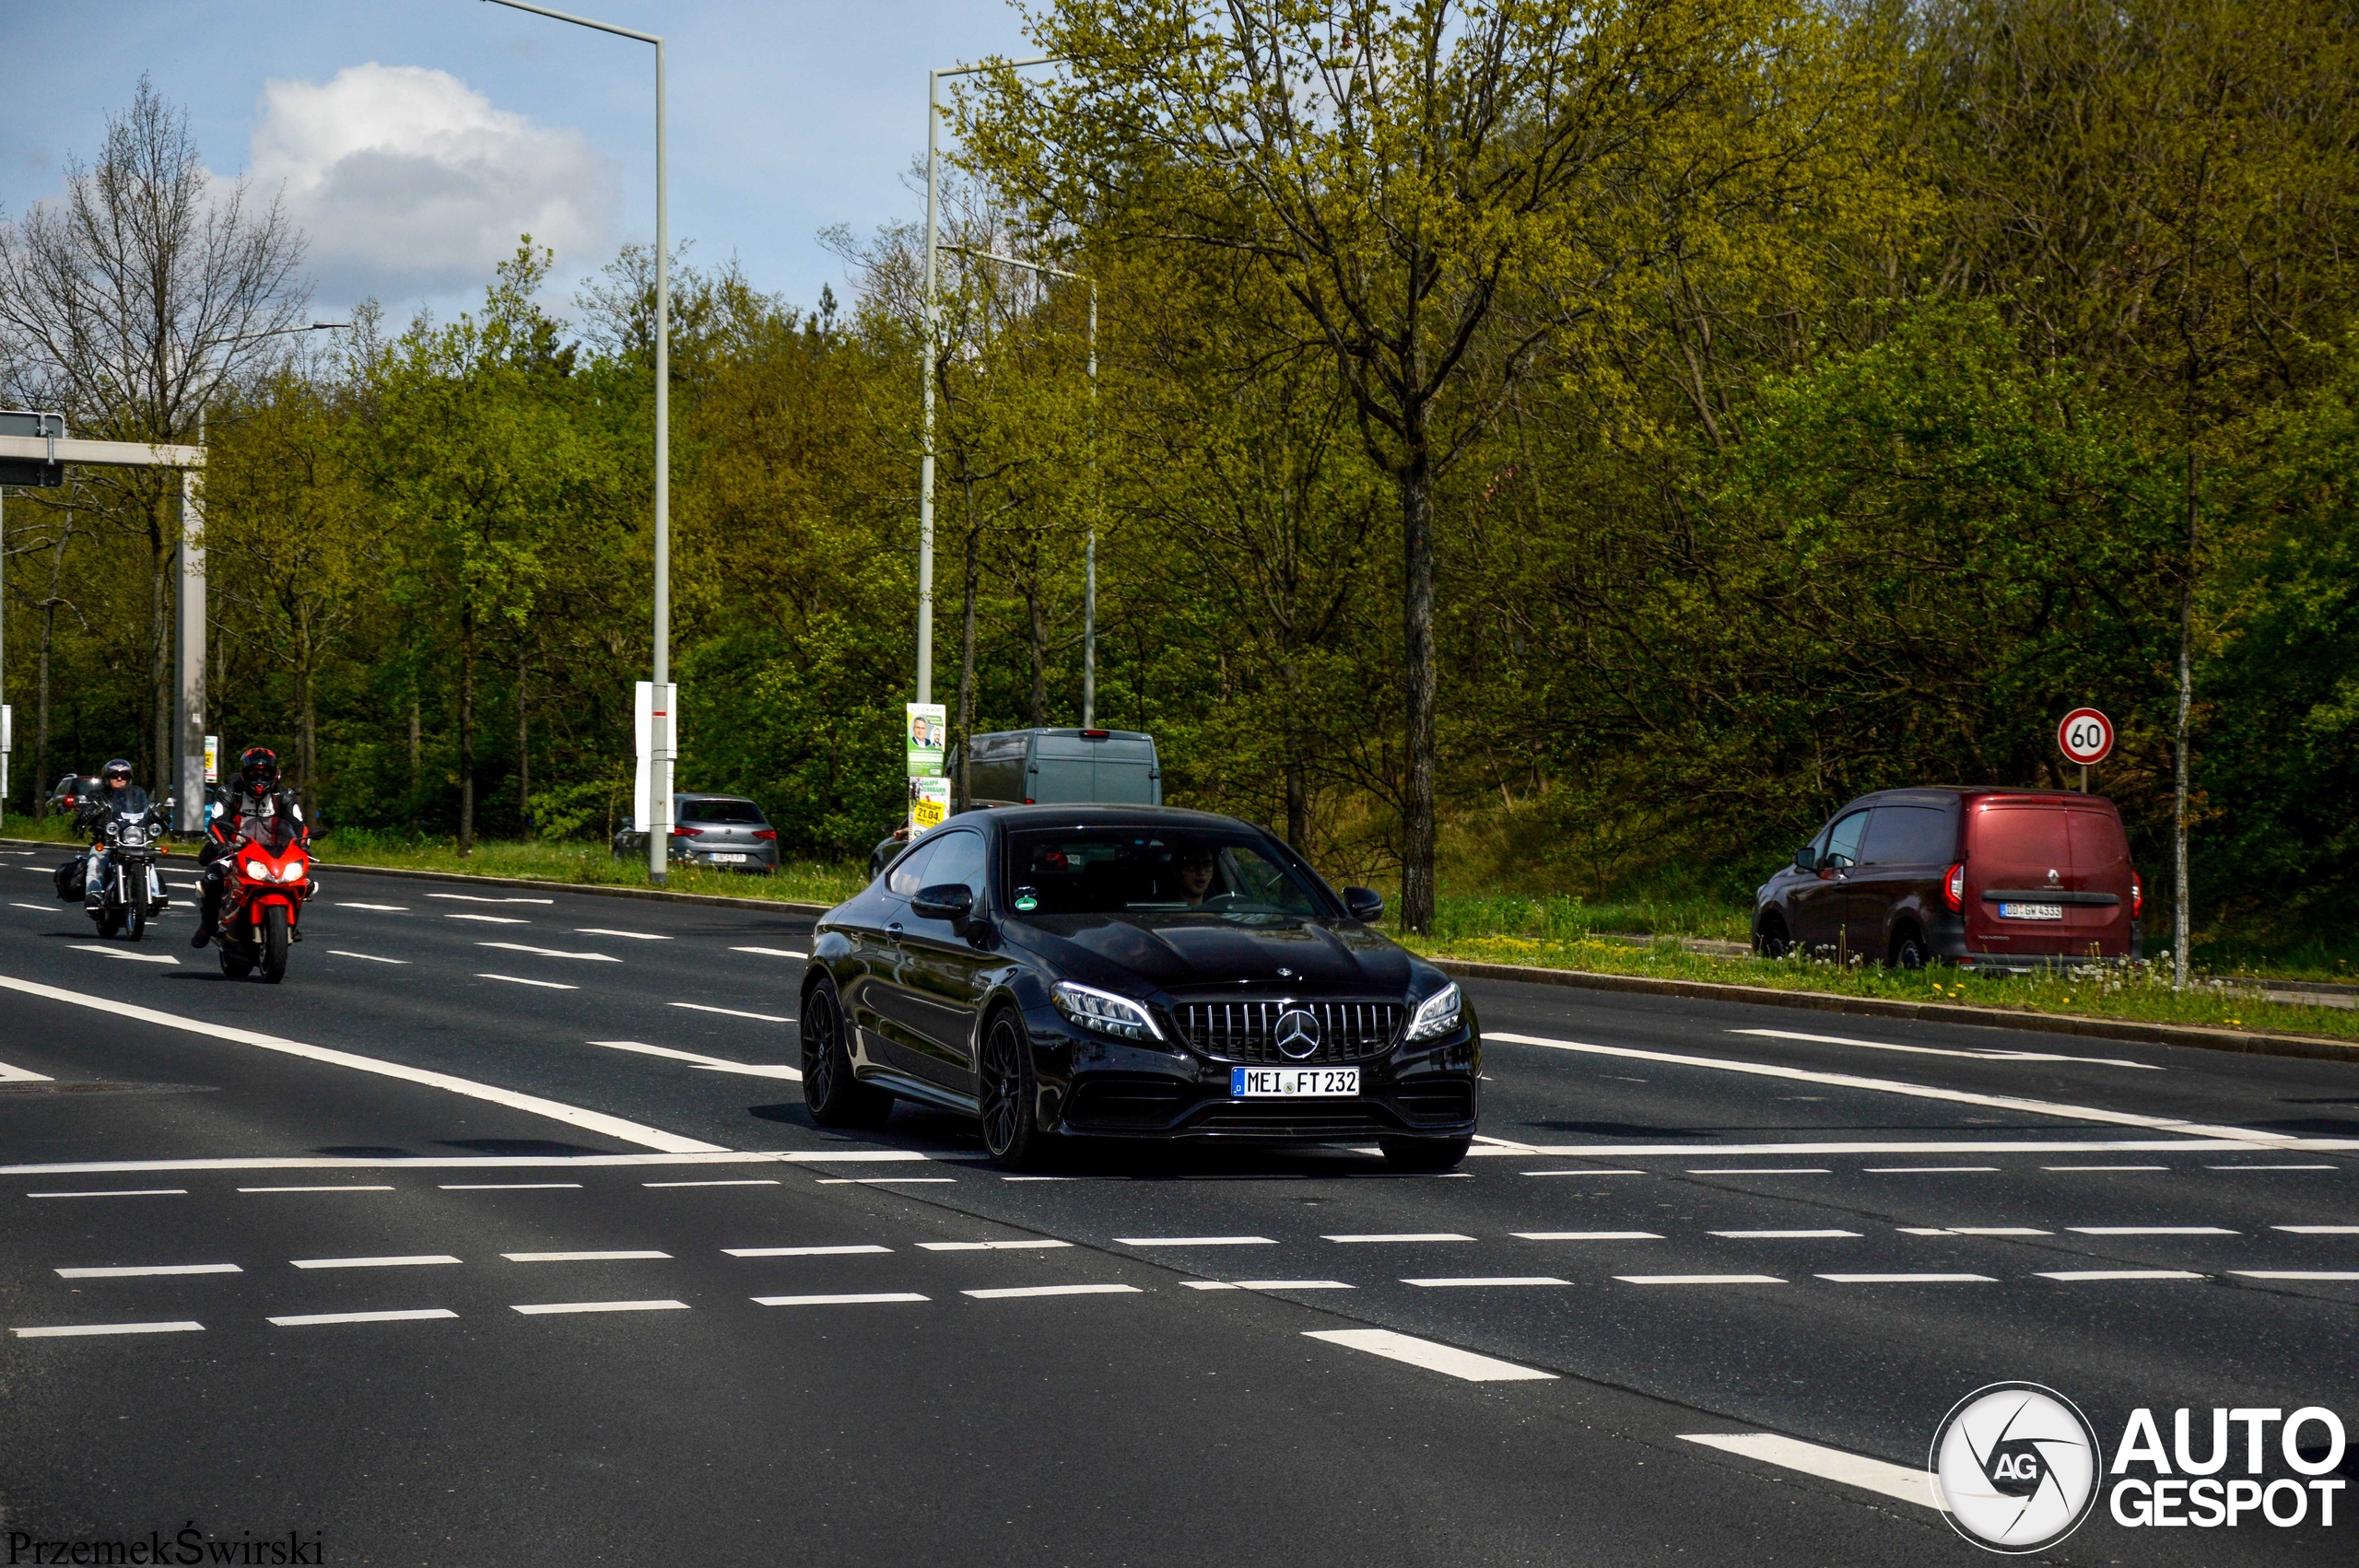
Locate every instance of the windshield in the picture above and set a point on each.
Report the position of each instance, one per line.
(1117, 870)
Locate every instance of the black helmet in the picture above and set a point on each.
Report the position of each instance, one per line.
(259, 767)
(118, 768)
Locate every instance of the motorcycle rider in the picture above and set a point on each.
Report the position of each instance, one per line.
(118, 793)
(257, 797)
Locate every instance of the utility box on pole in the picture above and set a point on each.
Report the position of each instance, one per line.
(45, 472)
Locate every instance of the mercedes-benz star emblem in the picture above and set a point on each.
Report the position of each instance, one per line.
(1297, 1033)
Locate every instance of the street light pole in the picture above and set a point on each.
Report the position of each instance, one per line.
(1089, 577)
(662, 724)
(933, 316)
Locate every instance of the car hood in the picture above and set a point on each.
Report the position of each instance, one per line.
(1190, 952)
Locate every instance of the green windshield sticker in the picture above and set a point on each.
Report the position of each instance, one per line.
(1027, 900)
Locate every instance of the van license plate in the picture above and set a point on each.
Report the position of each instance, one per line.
(728, 860)
(2031, 911)
(1263, 1082)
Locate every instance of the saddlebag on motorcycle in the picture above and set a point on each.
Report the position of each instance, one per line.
(71, 876)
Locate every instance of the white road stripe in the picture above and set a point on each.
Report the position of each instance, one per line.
(1699, 1279)
(128, 1192)
(581, 1256)
(1403, 1235)
(708, 1063)
(1585, 1172)
(2319, 1230)
(410, 1261)
(878, 1181)
(381, 909)
(518, 980)
(734, 1012)
(732, 1181)
(1447, 1358)
(339, 1187)
(832, 1156)
(1936, 1050)
(22, 1075)
(2104, 1167)
(2150, 1231)
(340, 953)
(313, 1319)
(1267, 1285)
(1586, 1235)
(1193, 1241)
(1983, 1146)
(635, 936)
(1009, 1292)
(1926, 1170)
(1450, 1281)
(475, 899)
(73, 1330)
(2075, 1275)
(1910, 1279)
(1898, 1481)
(876, 1299)
(1761, 1171)
(508, 1186)
(573, 1115)
(125, 952)
(536, 1308)
(137, 1271)
(490, 920)
(1975, 1231)
(551, 952)
(1918, 1091)
(802, 1251)
(2294, 1273)
(772, 952)
(986, 1245)
(1787, 1236)
(2273, 1168)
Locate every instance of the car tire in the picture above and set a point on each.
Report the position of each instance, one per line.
(1008, 1094)
(1908, 951)
(1770, 940)
(1424, 1153)
(834, 1097)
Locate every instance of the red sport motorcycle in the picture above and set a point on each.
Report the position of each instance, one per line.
(270, 876)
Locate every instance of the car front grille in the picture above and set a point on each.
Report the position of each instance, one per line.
(1247, 1031)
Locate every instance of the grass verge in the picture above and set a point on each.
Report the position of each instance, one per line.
(2142, 994)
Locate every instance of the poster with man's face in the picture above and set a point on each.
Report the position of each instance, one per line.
(924, 731)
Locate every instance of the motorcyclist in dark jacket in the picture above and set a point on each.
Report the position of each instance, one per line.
(117, 793)
(254, 798)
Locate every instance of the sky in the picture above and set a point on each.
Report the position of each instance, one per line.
(414, 141)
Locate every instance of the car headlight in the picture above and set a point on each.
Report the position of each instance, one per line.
(257, 870)
(1437, 1014)
(1105, 1011)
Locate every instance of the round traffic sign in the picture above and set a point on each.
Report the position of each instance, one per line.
(2087, 736)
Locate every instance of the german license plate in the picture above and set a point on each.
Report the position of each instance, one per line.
(2031, 911)
(1267, 1082)
(730, 859)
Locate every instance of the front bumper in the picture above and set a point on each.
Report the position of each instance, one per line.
(1099, 1088)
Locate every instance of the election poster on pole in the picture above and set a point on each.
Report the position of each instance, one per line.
(925, 731)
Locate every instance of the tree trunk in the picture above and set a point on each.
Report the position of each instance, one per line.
(1418, 657)
(466, 730)
(2178, 741)
(307, 733)
(416, 776)
(1036, 633)
(523, 749)
(966, 652)
(1297, 775)
(40, 731)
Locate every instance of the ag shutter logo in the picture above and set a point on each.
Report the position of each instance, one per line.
(2019, 1467)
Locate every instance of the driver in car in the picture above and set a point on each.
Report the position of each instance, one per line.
(1198, 868)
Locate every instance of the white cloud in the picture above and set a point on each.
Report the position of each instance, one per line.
(409, 182)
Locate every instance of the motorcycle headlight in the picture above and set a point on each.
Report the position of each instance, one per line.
(291, 872)
(257, 870)
(1437, 1014)
(1105, 1012)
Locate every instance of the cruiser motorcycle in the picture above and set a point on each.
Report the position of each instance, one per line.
(128, 882)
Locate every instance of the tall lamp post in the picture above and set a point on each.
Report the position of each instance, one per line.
(1089, 573)
(661, 724)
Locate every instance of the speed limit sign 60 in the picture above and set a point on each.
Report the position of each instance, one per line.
(2087, 736)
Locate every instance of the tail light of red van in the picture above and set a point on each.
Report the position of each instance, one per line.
(2137, 898)
(1953, 889)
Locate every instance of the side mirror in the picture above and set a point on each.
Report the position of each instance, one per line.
(952, 901)
(1367, 905)
(1805, 859)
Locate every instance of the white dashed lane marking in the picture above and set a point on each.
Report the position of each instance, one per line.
(355, 1187)
(1449, 1281)
(1009, 1292)
(2294, 1273)
(551, 952)
(1585, 1172)
(880, 1181)
(1403, 1235)
(2273, 1168)
(1897, 1481)
(581, 1256)
(1910, 1279)
(2104, 1167)
(1587, 1236)
(2150, 1231)
(732, 1181)
(876, 1298)
(734, 1012)
(634, 936)
(410, 1261)
(508, 1186)
(1433, 1357)
(1928, 1170)
(22, 1075)
(534, 1309)
(1974, 1231)
(986, 1245)
(473, 899)
(76, 1330)
(125, 952)
(127, 1192)
(1760, 1171)
(515, 980)
(764, 952)
(1787, 1236)
(1267, 1285)
(707, 1064)
(339, 952)
(1193, 1241)
(1699, 1279)
(2319, 1230)
(315, 1319)
(490, 920)
(137, 1271)
(804, 1251)
(380, 908)
(2080, 1276)
(1936, 1050)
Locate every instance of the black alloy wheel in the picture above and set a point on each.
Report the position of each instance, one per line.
(1009, 1095)
(1909, 949)
(1424, 1153)
(834, 1097)
(1772, 941)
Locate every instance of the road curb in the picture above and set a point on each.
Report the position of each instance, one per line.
(339, 868)
(2240, 1041)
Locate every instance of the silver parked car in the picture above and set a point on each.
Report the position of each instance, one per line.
(724, 831)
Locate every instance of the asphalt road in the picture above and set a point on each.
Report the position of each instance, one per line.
(642, 1311)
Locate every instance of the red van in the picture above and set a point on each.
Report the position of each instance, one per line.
(1982, 877)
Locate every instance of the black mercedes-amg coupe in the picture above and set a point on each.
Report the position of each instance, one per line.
(1132, 972)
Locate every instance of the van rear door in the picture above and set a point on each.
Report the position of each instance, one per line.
(2046, 878)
